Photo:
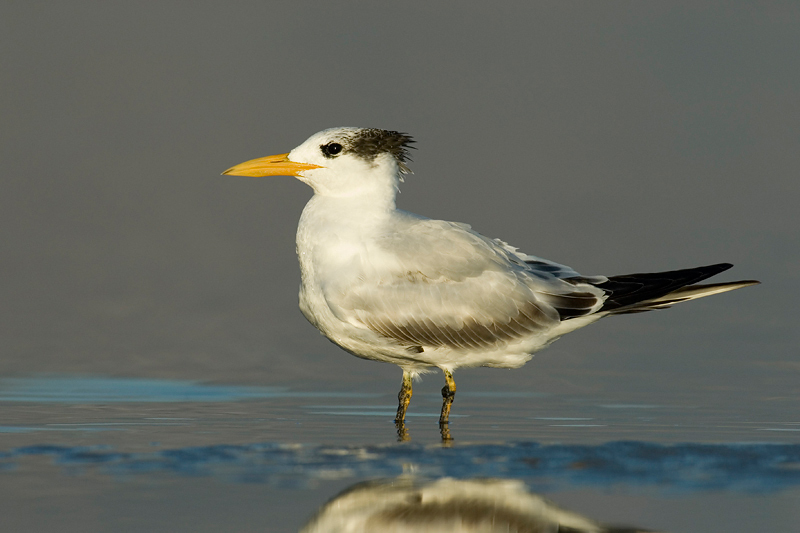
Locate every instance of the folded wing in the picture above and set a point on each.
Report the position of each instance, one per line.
(442, 285)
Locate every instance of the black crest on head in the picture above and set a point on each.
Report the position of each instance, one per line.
(369, 143)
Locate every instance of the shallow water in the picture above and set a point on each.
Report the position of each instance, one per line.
(168, 455)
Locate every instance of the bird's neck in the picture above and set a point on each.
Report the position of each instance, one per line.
(336, 230)
(358, 213)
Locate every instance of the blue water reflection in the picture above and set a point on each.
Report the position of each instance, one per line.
(93, 389)
(752, 468)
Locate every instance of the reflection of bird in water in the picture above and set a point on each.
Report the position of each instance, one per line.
(407, 505)
(392, 286)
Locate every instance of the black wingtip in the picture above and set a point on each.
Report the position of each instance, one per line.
(715, 268)
(630, 289)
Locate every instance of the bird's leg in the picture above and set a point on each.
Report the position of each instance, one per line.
(402, 432)
(444, 429)
(448, 394)
(403, 398)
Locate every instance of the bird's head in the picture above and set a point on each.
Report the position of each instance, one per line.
(339, 161)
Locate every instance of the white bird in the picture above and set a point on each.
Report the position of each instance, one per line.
(392, 286)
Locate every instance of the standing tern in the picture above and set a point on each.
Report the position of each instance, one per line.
(392, 286)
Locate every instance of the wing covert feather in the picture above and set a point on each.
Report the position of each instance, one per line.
(444, 285)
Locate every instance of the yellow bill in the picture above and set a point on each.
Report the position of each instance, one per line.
(273, 165)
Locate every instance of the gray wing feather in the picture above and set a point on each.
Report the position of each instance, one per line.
(444, 285)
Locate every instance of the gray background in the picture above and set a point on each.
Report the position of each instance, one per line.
(615, 137)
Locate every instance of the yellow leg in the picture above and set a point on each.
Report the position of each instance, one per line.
(404, 398)
(448, 394)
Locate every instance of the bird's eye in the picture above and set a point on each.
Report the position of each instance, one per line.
(331, 149)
